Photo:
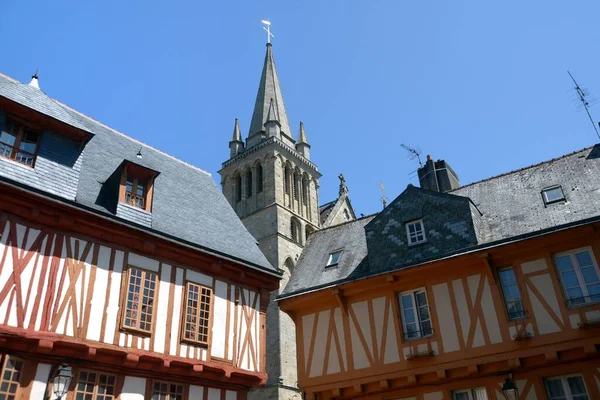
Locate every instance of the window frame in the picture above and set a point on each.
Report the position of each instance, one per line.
(550, 188)
(3, 360)
(415, 308)
(469, 392)
(565, 384)
(137, 173)
(124, 298)
(508, 313)
(168, 395)
(15, 149)
(185, 314)
(408, 233)
(74, 390)
(330, 258)
(578, 274)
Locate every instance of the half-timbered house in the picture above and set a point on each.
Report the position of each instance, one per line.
(458, 292)
(123, 270)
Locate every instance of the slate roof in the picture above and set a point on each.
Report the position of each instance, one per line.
(187, 204)
(512, 208)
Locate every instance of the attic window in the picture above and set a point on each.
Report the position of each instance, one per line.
(553, 194)
(415, 232)
(137, 186)
(334, 258)
(19, 143)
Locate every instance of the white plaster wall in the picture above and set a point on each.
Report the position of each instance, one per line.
(445, 318)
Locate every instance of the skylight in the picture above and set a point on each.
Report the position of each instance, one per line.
(553, 194)
(334, 258)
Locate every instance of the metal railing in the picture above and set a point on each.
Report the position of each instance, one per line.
(583, 300)
(418, 334)
(516, 315)
(16, 154)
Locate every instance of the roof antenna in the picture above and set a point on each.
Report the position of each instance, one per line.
(583, 96)
(413, 153)
(384, 198)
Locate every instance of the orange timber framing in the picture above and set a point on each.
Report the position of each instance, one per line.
(543, 355)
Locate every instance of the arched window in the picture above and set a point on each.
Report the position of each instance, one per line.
(238, 188)
(305, 190)
(296, 186)
(286, 179)
(249, 184)
(308, 230)
(259, 178)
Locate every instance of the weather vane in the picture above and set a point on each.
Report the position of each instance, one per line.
(268, 29)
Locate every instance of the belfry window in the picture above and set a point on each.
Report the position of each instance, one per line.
(286, 180)
(249, 184)
(259, 178)
(238, 188)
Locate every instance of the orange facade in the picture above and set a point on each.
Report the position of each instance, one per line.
(356, 340)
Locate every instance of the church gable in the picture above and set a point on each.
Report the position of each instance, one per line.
(339, 212)
(419, 225)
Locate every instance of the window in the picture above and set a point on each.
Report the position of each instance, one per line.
(553, 194)
(10, 378)
(296, 190)
(470, 394)
(167, 391)
(334, 258)
(136, 186)
(259, 178)
(416, 321)
(415, 232)
(566, 388)
(238, 188)
(286, 179)
(18, 143)
(304, 191)
(579, 276)
(294, 229)
(95, 386)
(139, 303)
(512, 294)
(249, 184)
(196, 326)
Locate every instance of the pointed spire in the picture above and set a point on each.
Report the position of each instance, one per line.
(237, 136)
(34, 81)
(301, 134)
(269, 100)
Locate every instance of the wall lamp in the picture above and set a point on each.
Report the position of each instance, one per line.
(509, 389)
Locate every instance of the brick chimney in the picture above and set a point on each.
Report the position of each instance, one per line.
(437, 176)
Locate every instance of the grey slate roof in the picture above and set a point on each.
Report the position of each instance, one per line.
(268, 89)
(187, 203)
(511, 204)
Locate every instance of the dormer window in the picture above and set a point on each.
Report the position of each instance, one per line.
(19, 143)
(553, 194)
(415, 232)
(334, 258)
(136, 186)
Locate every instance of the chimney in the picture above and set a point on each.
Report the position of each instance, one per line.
(437, 176)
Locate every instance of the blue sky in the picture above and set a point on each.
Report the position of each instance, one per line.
(481, 84)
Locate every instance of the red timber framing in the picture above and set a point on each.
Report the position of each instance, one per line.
(347, 349)
(58, 222)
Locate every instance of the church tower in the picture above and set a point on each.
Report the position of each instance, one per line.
(273, 186)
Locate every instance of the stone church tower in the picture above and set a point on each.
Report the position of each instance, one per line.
(273, 186)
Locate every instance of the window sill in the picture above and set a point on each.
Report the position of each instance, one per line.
(194, 343)
(134, 331)
(583, 305)
(135, 208)
(417, 243)
(415, 339)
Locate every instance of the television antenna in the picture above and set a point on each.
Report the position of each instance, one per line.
(414, 154)
(583, 96)
(384, 198)
(267, 28)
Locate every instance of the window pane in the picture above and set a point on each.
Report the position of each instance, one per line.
(407, 301)
(564, 263)
(589, 275)
(577, 387)
(461, 396)
(409, 316)
(553, 194)
(8, 138)
(29, 141)
(555, 389)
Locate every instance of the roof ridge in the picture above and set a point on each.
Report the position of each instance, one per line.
(523, 168)
(347, 222)
(68, 108)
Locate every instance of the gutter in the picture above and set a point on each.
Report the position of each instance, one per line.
(474, 249)
(137, 227)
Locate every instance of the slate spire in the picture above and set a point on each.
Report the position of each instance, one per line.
(269, 97)
(237, 136)
(302, 145)
(236, 145)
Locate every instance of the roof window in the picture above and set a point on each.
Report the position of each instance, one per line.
(137, 186)
(334, 258)
(415, 232)
(553, 194)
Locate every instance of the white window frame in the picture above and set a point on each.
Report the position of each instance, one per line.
(470, 393)
(415, 309)
(577, 269)
(518, 317)
(565, 385)
(550, 188)
(330, 262)
(415, 235)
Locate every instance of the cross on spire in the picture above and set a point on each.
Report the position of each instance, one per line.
(268, 29)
